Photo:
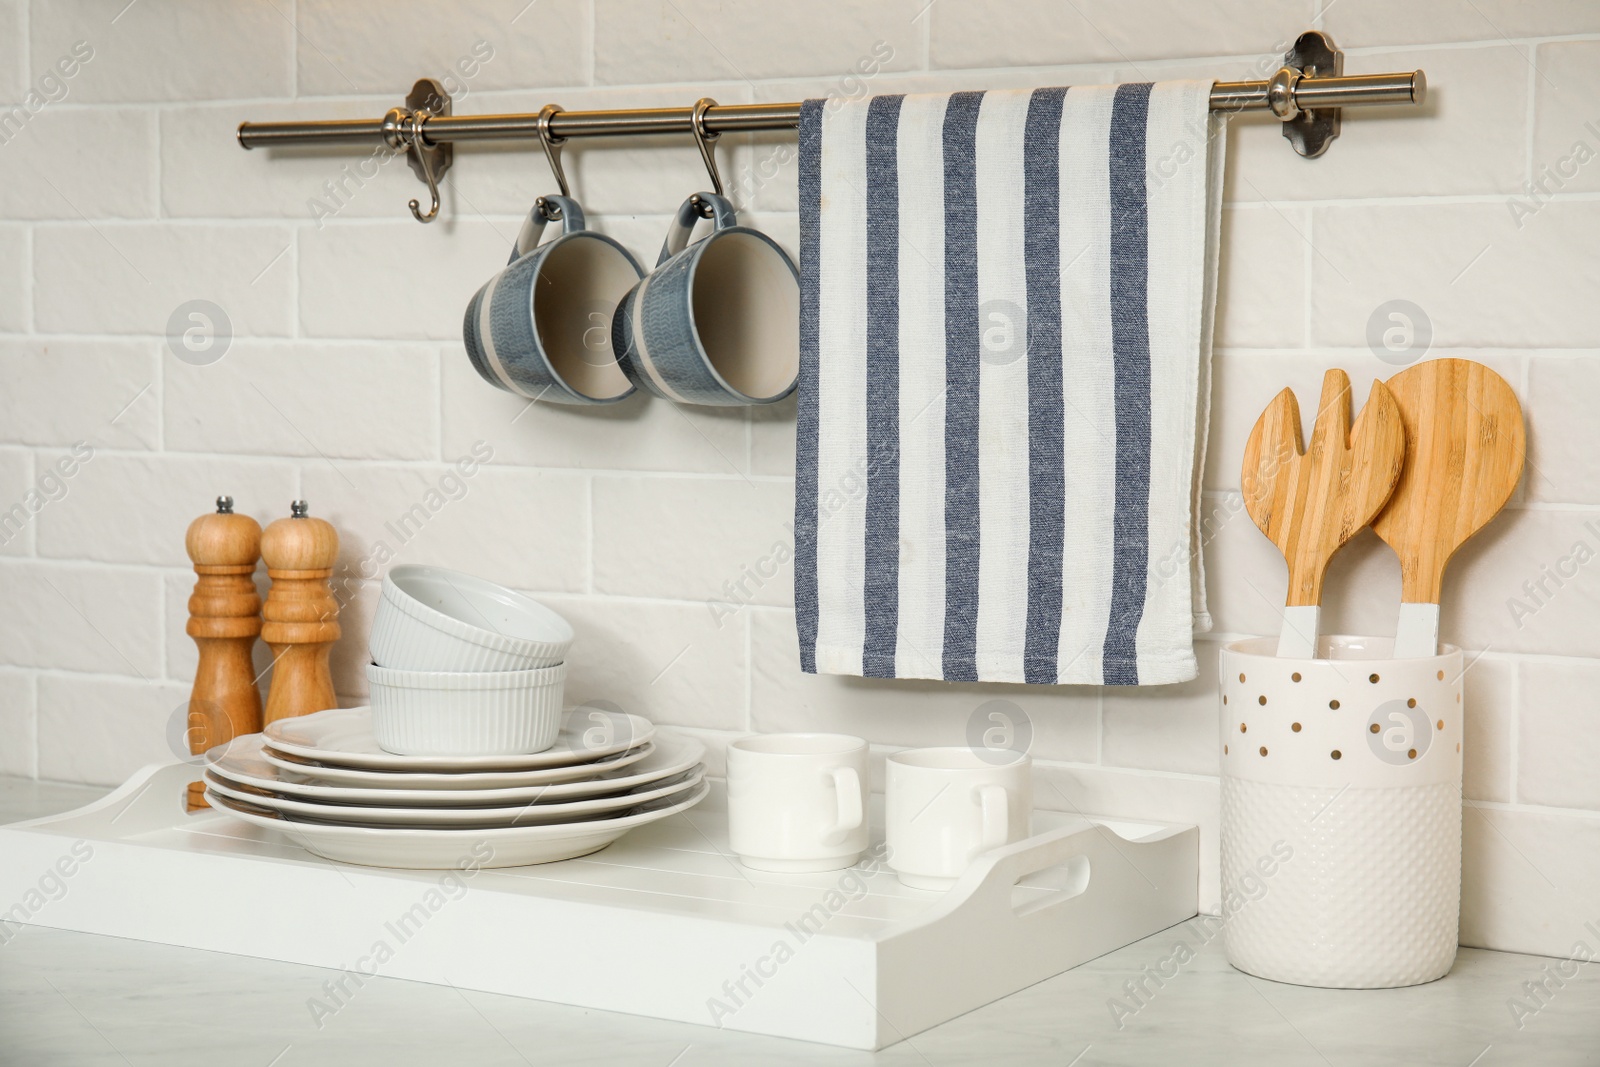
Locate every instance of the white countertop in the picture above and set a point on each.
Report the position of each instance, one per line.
(68, 999)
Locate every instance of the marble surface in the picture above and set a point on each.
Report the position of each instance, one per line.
(69, 999)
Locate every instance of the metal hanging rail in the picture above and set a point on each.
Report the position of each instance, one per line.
(1307, 94)
(1358, 90)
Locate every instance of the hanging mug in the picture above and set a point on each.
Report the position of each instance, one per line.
(718, 321)
(540, 328)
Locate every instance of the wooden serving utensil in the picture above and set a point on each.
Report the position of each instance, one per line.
(1465, 445)
(1309, 502)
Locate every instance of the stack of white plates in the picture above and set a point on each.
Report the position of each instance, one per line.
(323, 780)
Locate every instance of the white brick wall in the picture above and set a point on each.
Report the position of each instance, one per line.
(124, 196)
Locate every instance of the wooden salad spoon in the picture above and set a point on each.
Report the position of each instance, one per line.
(1465, 444)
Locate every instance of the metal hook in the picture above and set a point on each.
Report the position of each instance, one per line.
(552, 154)
(420, 148)
(704, 140)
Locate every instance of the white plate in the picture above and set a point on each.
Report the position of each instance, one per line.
(511, 846)
(355, 776)
(342, 737)
(245, 762)
(532, 814)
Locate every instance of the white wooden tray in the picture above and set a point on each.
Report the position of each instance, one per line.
(663, 923)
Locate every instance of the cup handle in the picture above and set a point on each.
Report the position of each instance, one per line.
(528, 237)
(848, 785)
(533, 226)
(571, 214)
(722, 217)
(996, 805)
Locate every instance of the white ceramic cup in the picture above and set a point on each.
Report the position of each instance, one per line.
(947, 806)
(797, 802)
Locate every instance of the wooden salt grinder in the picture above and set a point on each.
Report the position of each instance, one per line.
(224, 619)
(301, 616)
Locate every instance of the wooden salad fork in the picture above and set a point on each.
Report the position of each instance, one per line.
(1309, 501)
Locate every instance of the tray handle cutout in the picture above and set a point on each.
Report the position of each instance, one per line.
(1075, 882)
(989, 887)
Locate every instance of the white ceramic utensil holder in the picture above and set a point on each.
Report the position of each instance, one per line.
(1341, 813)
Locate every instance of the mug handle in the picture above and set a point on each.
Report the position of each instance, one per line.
(722, 215)
(848, 785)
(533, 226)
(996, 805)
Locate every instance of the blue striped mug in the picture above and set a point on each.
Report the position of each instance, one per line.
(717, 321)
(541, 327)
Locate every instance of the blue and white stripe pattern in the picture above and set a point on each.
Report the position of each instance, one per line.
(1006, 310)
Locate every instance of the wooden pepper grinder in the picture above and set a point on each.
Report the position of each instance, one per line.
(301, 616)
(224, 619)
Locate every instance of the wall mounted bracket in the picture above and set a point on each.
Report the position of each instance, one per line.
(1312, 130)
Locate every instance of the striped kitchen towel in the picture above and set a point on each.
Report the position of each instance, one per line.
(1006, 311)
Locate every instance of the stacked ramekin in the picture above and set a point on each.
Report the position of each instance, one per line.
(461, 666)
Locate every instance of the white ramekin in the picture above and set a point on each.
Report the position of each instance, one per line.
(446, 713)
(433, 619)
